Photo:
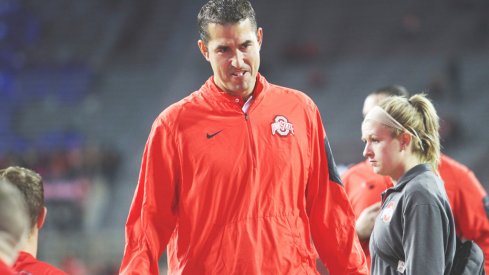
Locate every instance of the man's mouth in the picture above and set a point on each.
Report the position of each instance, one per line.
(239, 73)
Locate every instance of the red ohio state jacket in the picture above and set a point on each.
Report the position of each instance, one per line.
(229, 192)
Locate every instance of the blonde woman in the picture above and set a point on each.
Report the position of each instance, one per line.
(415, 231)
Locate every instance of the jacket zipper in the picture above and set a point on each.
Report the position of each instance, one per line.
(252, 141)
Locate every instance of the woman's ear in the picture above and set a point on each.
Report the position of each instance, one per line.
(405, 140)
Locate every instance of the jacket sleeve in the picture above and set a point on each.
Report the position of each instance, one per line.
(350, 182)
(152, 215)
(471, 212)
(331, 217)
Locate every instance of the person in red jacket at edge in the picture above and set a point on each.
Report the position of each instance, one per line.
(31, 186)
(468, 199)
(14, 225)
(238, 177)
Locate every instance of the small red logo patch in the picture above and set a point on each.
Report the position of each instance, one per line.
(282, 126)
(388, 211)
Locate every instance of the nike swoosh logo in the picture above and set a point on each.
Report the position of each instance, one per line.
(212, 135)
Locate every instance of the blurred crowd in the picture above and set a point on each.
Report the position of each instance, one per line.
(75, 180)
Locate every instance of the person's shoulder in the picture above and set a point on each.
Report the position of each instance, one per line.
(456, 175)
(448, 164)
(290, 94)
(423, 187)
(46, 269)
(363, 174)
(50, 269)
(170, 115)
(459, 179)
(422, 180)
(5, 269)
(362, 168)
(28, 264)
(176, 107)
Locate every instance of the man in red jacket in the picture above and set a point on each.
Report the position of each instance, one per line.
(467, 197)
(238, 177)
(13, 225)
(31, 186)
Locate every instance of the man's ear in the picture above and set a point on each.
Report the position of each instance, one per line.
(41, 218)
(259, 37)
(203, 49)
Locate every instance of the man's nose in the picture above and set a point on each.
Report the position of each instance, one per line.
(237, 59)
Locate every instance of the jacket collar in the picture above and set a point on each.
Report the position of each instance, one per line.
(407, 177)
(212, 91)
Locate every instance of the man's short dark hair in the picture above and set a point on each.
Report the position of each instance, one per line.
(224, 12)
(30, 185)
(392, 90)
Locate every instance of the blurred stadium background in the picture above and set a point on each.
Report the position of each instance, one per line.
(82, 81)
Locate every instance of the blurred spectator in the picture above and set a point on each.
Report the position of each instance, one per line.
(301, 52)
(482, 24)
(74, 266)
(19, 31)
(454, 77)
(451, 132)
(76, 183)
(437, 88)
(411, 25)
(317, 79)
(18, 26)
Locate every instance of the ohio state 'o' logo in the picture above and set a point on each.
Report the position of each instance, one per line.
(282, 126)
(387, 212)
